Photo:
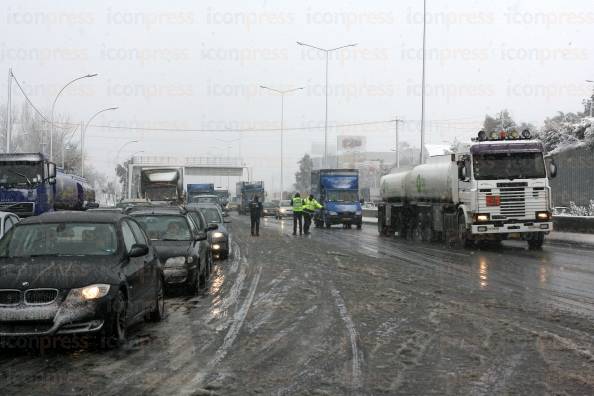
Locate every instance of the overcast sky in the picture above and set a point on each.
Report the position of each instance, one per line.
(198, 65)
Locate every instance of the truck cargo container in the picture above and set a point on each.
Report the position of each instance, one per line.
(338, 191)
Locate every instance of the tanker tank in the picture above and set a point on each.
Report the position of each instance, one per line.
(432, 181)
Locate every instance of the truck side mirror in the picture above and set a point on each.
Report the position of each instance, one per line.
(462, 170)
(552, 169)
(51, 170)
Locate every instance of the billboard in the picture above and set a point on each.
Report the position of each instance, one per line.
(348, 143)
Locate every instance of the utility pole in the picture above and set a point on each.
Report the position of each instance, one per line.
(423, 84)
(397, 147)
(8, 111)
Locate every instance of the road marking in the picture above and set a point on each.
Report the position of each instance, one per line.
(353, 335)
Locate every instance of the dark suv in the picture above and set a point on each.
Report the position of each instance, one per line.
(182, 247)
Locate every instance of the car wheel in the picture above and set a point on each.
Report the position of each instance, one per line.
(115, 334)
(158, 312)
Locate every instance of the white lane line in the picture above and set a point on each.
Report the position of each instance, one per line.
(353, 335)
(230, 337)
(236, 257)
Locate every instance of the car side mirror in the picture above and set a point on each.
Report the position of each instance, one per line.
(201, 236)
(213, 227)
(138, 250)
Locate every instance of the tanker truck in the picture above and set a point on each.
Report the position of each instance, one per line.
(495, 188)
(31, 185)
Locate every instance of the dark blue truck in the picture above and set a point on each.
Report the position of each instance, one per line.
(31, 185)
(246, 191)
(200, 189)
(338, 191)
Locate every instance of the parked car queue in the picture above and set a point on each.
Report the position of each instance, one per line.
(100, 271)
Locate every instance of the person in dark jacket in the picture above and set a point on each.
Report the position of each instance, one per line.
(255, 215)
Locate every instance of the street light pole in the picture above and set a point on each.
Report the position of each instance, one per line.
(54, 106)
(64, 143)
(83, 135)
(282, 94)
(9, 110)
(327, 51)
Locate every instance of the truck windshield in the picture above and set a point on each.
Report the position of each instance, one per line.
(492, 166)
(161, 193)
(341, 196)
(20, 173)
(60, 239)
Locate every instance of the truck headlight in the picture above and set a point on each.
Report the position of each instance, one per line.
(482, 217)
(175, 262)
(545, 216)
(91, 292)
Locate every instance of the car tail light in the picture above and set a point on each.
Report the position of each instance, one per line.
(493, 200)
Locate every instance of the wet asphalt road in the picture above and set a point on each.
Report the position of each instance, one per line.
(349, 312)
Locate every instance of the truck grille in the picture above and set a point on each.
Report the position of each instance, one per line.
(40, 296)
(22, 209)
(513, 202)
(516, 201)
(10, 297)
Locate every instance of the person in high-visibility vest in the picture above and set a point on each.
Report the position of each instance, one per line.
(310, 205)
(297, 204)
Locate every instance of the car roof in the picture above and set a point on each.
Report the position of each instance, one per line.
(203, 205)
(71, 216)
(159, 210)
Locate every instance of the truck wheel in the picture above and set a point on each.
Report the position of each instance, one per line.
(536, 241)
(463, 241)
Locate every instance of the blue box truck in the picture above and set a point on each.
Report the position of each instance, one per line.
(338, 191)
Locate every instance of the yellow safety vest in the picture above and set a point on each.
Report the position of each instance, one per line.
(311, 205)
(297, 204)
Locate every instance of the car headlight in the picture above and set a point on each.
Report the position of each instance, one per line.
(175, 261)
(332, 213)
(91, 292)
(283, 210)
(218, 235)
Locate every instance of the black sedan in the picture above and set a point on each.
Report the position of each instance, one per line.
(220, 239)
(78, 272)
(182, 247)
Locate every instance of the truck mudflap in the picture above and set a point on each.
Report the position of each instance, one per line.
(512, 228)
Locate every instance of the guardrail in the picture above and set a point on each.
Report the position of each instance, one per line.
(579, 224)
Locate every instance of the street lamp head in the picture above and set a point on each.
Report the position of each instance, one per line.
(300, 43)
(590, 81)
(113, 108)
(91, 75)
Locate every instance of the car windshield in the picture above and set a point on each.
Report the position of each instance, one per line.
(60, 239)
(493, 166)
(211, 215)
(342, 196)
(204, 199)
(17, 173)
(165, 227)
(268, 205)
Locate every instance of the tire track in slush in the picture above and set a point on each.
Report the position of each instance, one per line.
(356, 376)
(230, 337)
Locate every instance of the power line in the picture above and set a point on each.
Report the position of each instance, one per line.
(29, 100)
(234, 130)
